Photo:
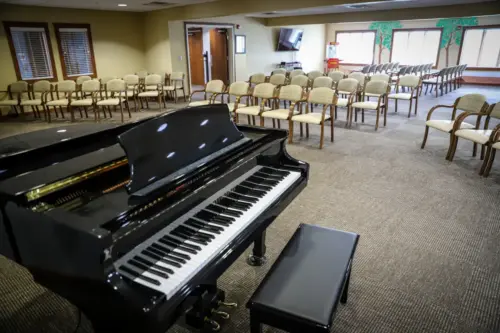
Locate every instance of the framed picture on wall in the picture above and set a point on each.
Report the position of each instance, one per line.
(241, 44)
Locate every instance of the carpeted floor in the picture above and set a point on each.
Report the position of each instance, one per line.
(429, 254)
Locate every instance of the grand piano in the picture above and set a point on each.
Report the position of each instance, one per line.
(136, 234)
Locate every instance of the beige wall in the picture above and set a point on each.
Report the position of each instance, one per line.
(431, 23)
(117, 38)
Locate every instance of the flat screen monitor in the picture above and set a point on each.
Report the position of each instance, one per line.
(290, 39)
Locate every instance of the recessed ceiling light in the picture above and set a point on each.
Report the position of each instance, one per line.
(122, 5)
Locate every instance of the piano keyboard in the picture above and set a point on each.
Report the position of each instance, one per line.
(171, 257)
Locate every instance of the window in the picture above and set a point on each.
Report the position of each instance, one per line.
(356, 47)
(31, 52)
(75, 50)
(415, 46)
(481, 47)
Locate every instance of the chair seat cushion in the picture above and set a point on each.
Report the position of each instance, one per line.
(310, 118)
(253, 110)
(496, 145)
(109, 101)
(372, 95)
(278, 114)
(342, 102)
(340, 92)
(200, 103)
(366, 105)
(231, 106)
(152, 87)
(57, 102)
(406, 96)
(149, 94)
(130, 93)
(9, 102)
(170, 88)
(31, 102)
(479, 136)
(446, 125)
(82, 102)
(433, 80)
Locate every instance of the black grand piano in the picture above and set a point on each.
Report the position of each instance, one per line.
(137, 233)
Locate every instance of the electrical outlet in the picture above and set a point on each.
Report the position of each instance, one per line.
(180, 58)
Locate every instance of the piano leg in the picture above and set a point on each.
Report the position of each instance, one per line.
(258, 256)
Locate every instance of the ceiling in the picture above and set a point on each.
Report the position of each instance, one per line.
(132, 5)
(366, 6)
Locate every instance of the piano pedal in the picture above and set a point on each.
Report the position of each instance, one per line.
(222, 314)
(227, 305)
(215, 326)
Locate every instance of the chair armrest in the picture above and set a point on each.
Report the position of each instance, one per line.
(195, 92)
(437, 107)
(463, 115)
(495, 134)
(382, 97)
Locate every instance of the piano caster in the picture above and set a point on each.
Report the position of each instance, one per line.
(253, 260)
(227, 305)
(222, 314)
(215, 326)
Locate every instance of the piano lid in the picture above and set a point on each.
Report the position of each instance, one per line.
(162, 146)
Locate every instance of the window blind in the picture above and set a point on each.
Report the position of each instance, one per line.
(32, 53)
(415, 47)
(76, 52)
(481, 48)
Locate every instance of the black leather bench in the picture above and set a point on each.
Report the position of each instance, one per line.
(304, 286)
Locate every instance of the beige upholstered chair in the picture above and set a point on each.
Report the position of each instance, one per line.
(116, 95)
(277, 79)
(325, 97)
(322, 82)
(279, 71)
(336, 76)
(292, 94)
(264, 92)
(238, 90)
(63, 93)
(90, 88)
(176, 82)
(296, 72)
(314, 74)
(37, 96)
(150, 80)
(347, 88)
(491, 152)
(360, 77)
(15, 93)
(142, 75)
(477, 135)
(380, 77)
(79, 81)
(298, 80)
(212, 88)
(412, 82)
(257, 78)
(132, 82)
(380, 89)
(468, 103)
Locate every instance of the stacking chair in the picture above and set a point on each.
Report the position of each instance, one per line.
(384, 67)
(175, 83)
(478, 136)
(336, 76)
(278, 79)
(257, 79)
(15, 93)
(295, 73)
(90, 88)
(63, 93)
(378, 68)
(105, 80)
(37, 96)
(461, 71)
(314, 74)
(401, 72)
(238, 90)
(322, 96)
(212, 88)
(322, 81)
(362, 79)
(380, 77)
(475, 103)
(292, 94)
(300, 80)
(132, 82)
(116, 95)
(142, 76)
(159, 93)
(265, 92)
(373, 88)
(436, 82)
(365, 69)
(347, 88)
(79, 81)
(279, 71)
(491, 152)
(372, 69)
(412, 82)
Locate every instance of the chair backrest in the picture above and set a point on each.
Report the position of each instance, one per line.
(91, 86)
(142, 74)
(376, 87)
(264, 90)
(350, 85)
(277, 79)
(258, 78)
(470, 102)
(177, 76)
(296, 72)
(214, 86)
(322, 81)
(300, 80)
(291, 93)
(364, 69)
(384, 67)
(372, 68)
(66, 86)
(279, 71)
(314, 74)
(336, 76)
(82, 79)
(378, 68)
(41, 86)
(494, 110)
(106, 79)
(380, 77)
(360, 77)
(238, 88)
(322, 95)
(411, 81)
(118, 85)
(131, 79)
(153, 79)
(18, 87)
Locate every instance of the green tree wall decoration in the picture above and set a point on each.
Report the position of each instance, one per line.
(383, 37)
(452, 32)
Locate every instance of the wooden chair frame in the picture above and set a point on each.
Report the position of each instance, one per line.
(490, 153)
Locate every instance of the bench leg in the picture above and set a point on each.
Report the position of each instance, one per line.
(255, 326)
(343, 298)
(258, 256)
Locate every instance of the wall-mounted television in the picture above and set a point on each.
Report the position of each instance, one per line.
(290, 39)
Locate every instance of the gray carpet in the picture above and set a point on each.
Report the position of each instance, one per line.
(429, 254)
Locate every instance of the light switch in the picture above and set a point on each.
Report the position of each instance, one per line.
(180, 58)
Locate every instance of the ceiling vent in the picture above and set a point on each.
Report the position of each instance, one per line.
(158, 3)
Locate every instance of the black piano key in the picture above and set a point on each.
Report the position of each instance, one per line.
(228, 202)
(196, 231)
(238, 196)
(203, 225)
(263, 181)
(168, 240)
(225, 211)
(270, 171)
(158, 257)
(208, 216)
(138, 275)
(140, 265)
(255, 186)
(268, 176)
(153, 265)
(249, 191)
(170, 251)
(190, 238)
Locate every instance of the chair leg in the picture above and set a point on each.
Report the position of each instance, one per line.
(301, 130)
(453, 147)
(249, 120)
(331, 124)
(147, 103)
(425, 137)
(363, 116)
(385, 114)
(175, 96)
(409, 110)
(490, 163)
(159, 101)
(416, 105)
(274, 123)
(47, 113)
(128, 109)
(395, 105)
(307, 130)
(290, 131)
(376, 121)
(486, 160)
(72, 113)
(350, 116)
(121, 112)
(261, 121)
(253, 120)
(321, 136)
(482, 152)
(279, 123)
(474, 150)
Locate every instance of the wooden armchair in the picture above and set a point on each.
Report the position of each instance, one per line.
(211, 90)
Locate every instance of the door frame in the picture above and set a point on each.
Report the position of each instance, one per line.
(231, 56)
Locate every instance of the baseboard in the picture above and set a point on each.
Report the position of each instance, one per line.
(482, 80)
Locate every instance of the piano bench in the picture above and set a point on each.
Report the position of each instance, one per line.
(304, 286)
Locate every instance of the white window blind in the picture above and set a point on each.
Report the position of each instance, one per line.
(415, 47)
(481, 48)
(76, 51)
(356, 47)
(32, 53)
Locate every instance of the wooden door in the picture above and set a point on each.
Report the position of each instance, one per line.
(195, 38)
(219, 52)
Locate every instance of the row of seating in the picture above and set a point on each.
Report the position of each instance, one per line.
(447, 78)
(387, 68)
